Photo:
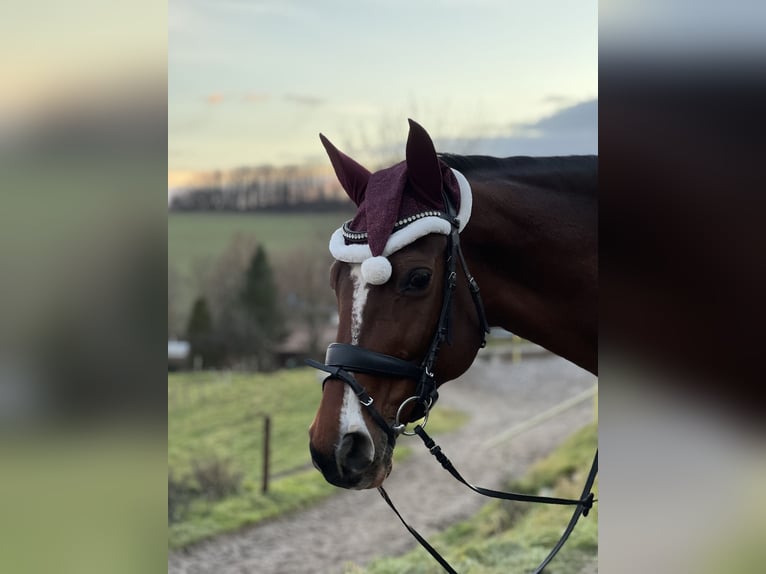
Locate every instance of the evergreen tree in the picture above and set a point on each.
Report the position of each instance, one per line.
(201, 336)
(259, 299)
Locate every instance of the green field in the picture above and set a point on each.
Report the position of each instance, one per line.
(513, 536)
(202, 236)
(219, 416)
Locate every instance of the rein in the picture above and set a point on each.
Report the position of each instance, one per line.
(342, 360)
(582, 505)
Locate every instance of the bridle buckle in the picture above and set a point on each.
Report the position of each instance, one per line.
(366, 403)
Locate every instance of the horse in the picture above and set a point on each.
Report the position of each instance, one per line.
(443, 247)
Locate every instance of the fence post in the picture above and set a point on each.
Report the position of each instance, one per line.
(266, 445)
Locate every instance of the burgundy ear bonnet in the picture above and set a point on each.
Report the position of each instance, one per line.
(397, 205)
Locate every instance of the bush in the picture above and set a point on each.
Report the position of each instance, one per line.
(180, 495)
(216, 478)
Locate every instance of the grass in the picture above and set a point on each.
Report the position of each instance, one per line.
(220, 415)
(515, 537)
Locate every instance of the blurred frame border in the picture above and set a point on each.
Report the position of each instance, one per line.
(83, 250)
(681, 395)
(83, 164)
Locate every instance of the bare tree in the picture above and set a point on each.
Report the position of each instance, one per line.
(379, 143)
(303, 280)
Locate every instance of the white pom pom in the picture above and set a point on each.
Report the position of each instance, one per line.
(376, 270)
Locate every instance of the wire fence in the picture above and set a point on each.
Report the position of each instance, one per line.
(232, 420)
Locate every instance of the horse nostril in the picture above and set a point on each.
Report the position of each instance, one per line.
(355, 453)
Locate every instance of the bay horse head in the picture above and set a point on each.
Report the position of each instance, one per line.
(409, 320)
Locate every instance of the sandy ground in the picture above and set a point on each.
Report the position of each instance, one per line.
(357, 526)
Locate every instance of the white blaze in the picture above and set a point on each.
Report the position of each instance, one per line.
(360, 298)
(351, 419)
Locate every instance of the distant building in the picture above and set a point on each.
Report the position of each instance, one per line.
(297, 346)
(179, 355)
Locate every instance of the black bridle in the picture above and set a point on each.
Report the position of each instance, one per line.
(342, 360)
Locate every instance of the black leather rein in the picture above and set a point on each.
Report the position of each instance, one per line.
(582, 505)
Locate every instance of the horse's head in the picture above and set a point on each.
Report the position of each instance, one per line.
(394, 263)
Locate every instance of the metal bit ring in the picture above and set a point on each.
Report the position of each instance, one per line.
(399, 427)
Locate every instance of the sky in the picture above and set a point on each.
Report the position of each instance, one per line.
(253, 82)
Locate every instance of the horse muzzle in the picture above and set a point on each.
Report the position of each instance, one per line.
(352, 464)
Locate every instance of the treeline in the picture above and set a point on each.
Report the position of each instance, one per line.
(262, 189)
(246, 306)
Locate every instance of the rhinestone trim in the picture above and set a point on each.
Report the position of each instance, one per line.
(361, 236)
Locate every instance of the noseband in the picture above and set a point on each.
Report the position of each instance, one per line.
(342, 359)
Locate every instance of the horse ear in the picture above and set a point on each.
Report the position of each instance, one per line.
(352, 176)
(423, 168)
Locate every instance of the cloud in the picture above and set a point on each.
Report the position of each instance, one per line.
(303, 100)
(570, 130)
(259, 97)
(582, 117)
(256, 97)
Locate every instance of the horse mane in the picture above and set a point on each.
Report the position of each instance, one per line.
(577, 173)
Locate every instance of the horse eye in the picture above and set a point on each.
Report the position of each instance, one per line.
(418, 279)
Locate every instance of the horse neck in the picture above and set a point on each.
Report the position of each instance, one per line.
(534, 254)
